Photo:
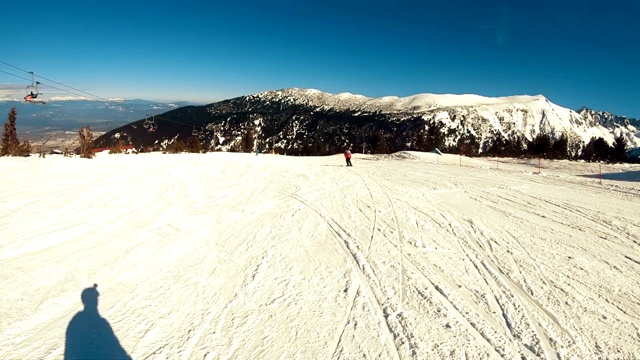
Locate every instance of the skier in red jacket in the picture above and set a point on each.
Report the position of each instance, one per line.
(347, 156)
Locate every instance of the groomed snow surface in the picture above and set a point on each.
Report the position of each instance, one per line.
(237, 256)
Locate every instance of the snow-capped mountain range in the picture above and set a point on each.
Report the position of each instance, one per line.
(527, 114)
(308, 121)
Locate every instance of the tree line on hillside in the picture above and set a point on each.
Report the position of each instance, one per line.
(327, 133)
(320, 136)
(369, 133)
(296, 129)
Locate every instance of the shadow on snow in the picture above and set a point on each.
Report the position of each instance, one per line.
(89, 335)
(619, 176)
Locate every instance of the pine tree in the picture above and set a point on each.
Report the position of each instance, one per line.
(421, 140)
(435, 137)
(10, 143)
(81, 136)
(541, 146)
(24, 149)
(86, 142)
(588, 152)
(380, 145)
(497, 147)
(177, 146)
(619, 152)
(467, 145)
(561, 147)
(602, 149)
(118, 148)
(14, 131)
(6, 143)
(596, 150)
(247, 142)
(194, 145)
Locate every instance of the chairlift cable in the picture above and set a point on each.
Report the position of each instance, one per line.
(55, 82)
(57, 88)
(168, 120)
(18, 76)
(54, 87)
(70, 87)
(39, 83)
(84, 92)
(15, 67)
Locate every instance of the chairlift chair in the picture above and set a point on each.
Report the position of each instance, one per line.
(33, 94)
(198, 132)
(150, 125)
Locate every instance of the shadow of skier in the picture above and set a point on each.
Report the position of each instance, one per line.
(89, 336)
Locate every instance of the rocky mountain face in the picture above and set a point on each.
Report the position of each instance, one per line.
(618, 125)
(607, 119)
(311, 122)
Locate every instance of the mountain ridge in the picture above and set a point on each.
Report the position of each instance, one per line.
(310, 121)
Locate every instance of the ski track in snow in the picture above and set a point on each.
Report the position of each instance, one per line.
(225, 256)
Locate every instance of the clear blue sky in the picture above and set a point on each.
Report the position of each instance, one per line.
(574, 52)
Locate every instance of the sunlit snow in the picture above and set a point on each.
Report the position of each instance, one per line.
(237, 256)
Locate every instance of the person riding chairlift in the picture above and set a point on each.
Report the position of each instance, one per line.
(30, 96)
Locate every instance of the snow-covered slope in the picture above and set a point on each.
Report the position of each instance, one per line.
(237, 256)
